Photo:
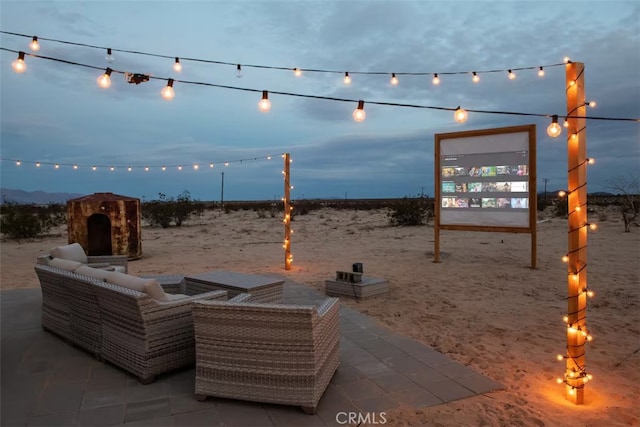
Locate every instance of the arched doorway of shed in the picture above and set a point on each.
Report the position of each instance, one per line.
(99, 234)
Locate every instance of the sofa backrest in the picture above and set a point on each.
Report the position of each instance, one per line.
(278, 324)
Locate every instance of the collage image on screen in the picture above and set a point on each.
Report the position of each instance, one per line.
(484, 187)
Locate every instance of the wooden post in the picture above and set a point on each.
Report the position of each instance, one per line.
(288, 258)
(577, 333)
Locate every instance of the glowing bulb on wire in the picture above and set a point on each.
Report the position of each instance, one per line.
(19, 66)
(512, 75)
(460, 115)
(347, 78)
(109, 57)
(297, 72)
(359, 114)
(104, 81)
(167, 92)
(177, 66)
(475, 78)
(554, 130)
(436, 79)
(541, 72)
(239, 72)
(264, 104)
(394, 80)
(34, 45)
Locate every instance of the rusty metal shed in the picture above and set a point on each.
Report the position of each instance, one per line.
(106, 224)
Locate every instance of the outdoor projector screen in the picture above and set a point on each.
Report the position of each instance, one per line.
(484, 178)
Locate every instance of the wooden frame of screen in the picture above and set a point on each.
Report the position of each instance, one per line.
(533, 194)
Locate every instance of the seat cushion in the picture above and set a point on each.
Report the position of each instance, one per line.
(65, 264)
(73, 252)
(149, 286)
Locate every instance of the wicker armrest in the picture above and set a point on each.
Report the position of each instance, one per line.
(328, 305)
(213, 295)
(246, 297)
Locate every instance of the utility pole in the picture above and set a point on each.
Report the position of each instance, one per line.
(222, 194)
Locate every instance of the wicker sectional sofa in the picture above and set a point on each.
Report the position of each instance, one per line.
(125, 320)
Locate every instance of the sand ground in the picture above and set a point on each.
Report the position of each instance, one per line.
(482, 305)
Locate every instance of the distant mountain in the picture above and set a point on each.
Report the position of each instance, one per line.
(8, 195)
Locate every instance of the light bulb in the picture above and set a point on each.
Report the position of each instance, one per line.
(565, 123)
(566, 60)
(593, 227)
(19, 66)
(592, 104)
(177, 66)
(75, 166)
(460, 115)
(179, 167)
(347, 78)
(37, 164)
(565, 258)
(109, 56)
(591, 160)
(541, 72)
(146, 168)
(436, 79)
(210, 165)
(297, 72)
(111, 168)
(394, 80)
(18, 162)
(226, 163)
(359, 114)
(94, 168)
(196, 167)
(554, 130)
(34, 45)
(57, 166)
(562, 193)
(559, 380)
(129, 169)
(164, 168)
(560, 357)
(167, 92)
(239, 72)
(104, 81)
(475, 78)
(264, 104)
(590, 294)
(565, 318)
(512, 75)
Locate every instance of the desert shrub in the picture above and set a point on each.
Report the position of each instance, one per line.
(602, 216)
(409, 211)
(261, 213)
(165, 210)
(25, 221)
(561, 206)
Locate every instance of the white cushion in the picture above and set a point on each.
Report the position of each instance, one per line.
(96, 273)
(175, 297)
(65, 264)
(73, 252)
(149, 286)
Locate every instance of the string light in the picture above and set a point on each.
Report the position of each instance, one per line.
(592, 104)
(239, 72)
(211, 165)
(104, 81)
(111, 168)
(297, 72)
(475, 78)
(138, 78)
(18, 162)
(19, 66)
(347, 78)
(541, 72)
(359, 114)
(196, 167)
(436, 79)
(177, 66)
(566, 60)
(129, 168)
(167, 92)
(179, 167)
(56, 166)
(512, 75)
(37, 164)
(164, 168)
(75, 167)
(94, 168)
(34, 45)
(394, 80)
(565, 123)
(460, 115)
(109, 57)
(554, 130)
(264, 104)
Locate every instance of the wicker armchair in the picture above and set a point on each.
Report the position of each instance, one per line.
(274, 353)
(75, 252)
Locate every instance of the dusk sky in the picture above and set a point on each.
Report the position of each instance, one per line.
(55, 112)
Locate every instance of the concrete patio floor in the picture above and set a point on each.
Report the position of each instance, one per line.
(45, 381)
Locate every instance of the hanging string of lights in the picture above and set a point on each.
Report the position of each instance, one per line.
(297, 71)
(168, 92)
(132, 167)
